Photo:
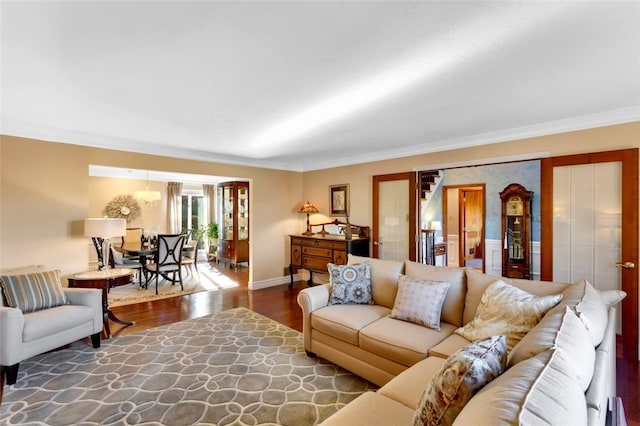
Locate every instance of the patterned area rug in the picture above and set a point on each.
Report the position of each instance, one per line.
(236, 367)
(206, 278)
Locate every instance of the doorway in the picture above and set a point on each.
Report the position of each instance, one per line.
(463, 209)
(394, 228)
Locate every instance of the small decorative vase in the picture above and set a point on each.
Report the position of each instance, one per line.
(347, 230)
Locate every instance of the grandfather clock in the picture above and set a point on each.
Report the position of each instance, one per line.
(516, 231)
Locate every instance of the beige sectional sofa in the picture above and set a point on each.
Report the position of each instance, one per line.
(561, 372)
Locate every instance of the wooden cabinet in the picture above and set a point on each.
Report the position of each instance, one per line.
(516, 231)
(314, 252)
(233, 215)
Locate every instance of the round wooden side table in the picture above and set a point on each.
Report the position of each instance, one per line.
(103, 280)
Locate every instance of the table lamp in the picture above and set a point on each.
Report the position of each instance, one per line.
(308, 209)
(105, 228)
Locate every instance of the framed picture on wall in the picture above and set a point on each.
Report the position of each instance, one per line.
(339, 199)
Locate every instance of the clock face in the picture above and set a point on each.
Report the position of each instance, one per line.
(125, 210)
(515, 206)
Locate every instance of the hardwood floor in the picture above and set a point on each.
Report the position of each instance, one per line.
(279, 303)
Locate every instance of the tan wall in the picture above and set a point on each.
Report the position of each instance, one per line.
(316, 183)
(45, 192)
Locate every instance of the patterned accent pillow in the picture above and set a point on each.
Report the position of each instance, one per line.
(509, 311)
(33, 292)
(420, 301)
(350, 284)
(462, 375)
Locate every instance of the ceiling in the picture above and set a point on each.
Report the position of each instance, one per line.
(314, 84)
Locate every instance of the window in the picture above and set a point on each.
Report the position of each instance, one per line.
(193, 210)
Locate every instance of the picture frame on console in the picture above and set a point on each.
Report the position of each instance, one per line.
(339, 199)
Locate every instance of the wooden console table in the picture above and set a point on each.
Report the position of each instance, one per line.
(102, 280)
(314, 252)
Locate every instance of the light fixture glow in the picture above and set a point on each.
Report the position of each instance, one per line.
(147, 196)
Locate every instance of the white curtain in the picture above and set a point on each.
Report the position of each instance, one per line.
(174, 207)
(209, 192)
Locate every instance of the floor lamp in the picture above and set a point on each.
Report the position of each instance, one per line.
(105, 228)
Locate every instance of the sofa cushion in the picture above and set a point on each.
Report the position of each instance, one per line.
(350, 284)
(449, 346)
(34, 291)
(401, 341)
(561, 329)
(539, 390)
(419, 301)
(507, 310)
(371, 408)
(384, 278)
(409, 386)
(454, 303)
(589, 306)
(477, 283)
(459, 378)
(344, 322)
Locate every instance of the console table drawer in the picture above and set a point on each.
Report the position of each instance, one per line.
(313, 251)
(318, 243)
(315, 263)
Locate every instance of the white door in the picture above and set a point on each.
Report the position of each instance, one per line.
(589, 211)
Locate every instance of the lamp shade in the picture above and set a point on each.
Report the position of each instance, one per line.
(436, 225)
(105, 227)
(308, 208)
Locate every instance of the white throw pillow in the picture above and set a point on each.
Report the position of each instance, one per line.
(559, 329)
(507, 310)
(420, 301)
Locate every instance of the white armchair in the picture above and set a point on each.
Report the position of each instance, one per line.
(23, 335)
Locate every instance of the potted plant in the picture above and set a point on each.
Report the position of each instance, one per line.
(212, 239)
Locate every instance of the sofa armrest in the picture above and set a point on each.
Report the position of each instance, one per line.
(311, 299)
(87, 297)
(11, 326)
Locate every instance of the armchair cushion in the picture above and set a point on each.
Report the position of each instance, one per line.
(33, 292)
(43, 323)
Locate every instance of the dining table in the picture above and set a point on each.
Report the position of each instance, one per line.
(145, 251)
(139, 250)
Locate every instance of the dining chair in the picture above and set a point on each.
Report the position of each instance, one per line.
(132, 235)
(190, 255)
(167, 259)
(119, 261)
